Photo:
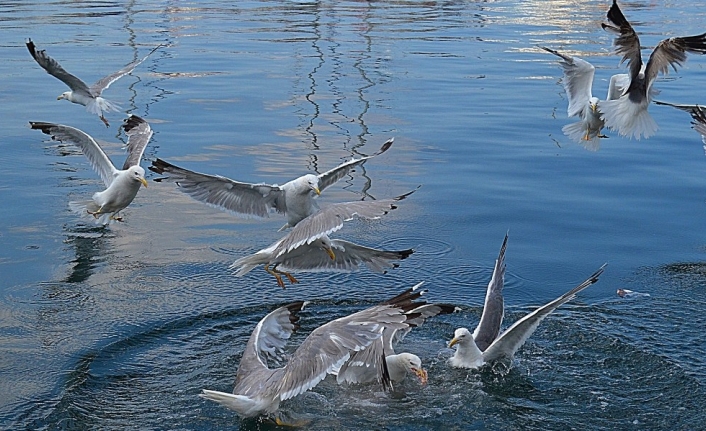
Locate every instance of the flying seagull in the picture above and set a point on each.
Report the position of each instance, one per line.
(578, 80)
(259, 389)
(484, 345)
(307, 247)
(628, 113)
(122, 184)
(295, 199)
(81, 93)
(366, 366)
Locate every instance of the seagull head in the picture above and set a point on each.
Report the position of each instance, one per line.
(138, 174)
(593, 103)
(413, 364)
(65, 95)
(462, 337)
(327, 246)
(312, 183)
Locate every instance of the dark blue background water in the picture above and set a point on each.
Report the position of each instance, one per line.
(121, 328)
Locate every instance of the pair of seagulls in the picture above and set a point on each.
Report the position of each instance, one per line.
(360, 348)
(629, 95)
(307, 246)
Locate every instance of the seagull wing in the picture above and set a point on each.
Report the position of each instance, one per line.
(349, 257)
(54, 69)
(331, 219)
(672, 52)
(516, 335)
(139, 134)
(578, 80)
(332, 176)
(104, 83)
(94, 153)
(493, 309)
(698, 114)
(626, 42)
(619, 83)
(223, 193)
(269, 338)
(329, 346)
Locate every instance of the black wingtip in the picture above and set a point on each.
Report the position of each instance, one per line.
(132, 121)
(32, 49)
(40, 125)
(159, 166)
(294, 309)
(386, 146)
(615, 15)
(404, 254)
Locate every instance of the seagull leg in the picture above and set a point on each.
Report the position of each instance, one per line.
(104, 121)
(116, 217)
(294, 424)
(289, 276)
(280, 283)
(96, 213)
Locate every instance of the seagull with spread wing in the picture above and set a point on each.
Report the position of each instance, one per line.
(259, 389)
(628, 113)
(484, 345)
(82, 93)
(308, 247)
(122, 184)
(367, 365)
(295, 199)
(578, 81)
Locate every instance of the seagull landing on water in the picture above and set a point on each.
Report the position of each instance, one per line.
(367, 365)
(307, 247)
(578, 80)
(484, 345)
(259, 389)
(628, 114)
(295, 199)
(81, 93)
(122, 184)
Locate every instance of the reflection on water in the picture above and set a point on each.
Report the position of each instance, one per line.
(122, 327)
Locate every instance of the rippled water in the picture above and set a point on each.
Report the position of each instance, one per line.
(122, 327)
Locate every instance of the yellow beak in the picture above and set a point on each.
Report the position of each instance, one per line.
(453, 342)
(330, 253)
(422, 374)
(317, 191)
(59, 98)
(594, 107)
(143, 181)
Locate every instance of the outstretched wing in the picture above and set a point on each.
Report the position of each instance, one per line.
(223, 193)
(626, 42)
(516, 335)
(331, 219)
(332, 176)
(269, 338)
(672, 52)
(494, 308)
(329, 346)
(94, 153)
(54, 69)
(139, 134)
(97, 88)
(578, 80)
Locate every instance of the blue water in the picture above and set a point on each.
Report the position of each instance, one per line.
(120, 328)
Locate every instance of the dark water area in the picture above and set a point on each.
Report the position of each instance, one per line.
(121, 327)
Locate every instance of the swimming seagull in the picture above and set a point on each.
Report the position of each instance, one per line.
(484, 345)
(259, 389)
(628, 114)
(81, 93)
(295, 199)
(122, 184)
(307, 247)
(367, 366)
(698, 114)
(578, 80)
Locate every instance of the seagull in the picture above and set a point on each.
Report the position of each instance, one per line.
(307, 247)
(81, 93)
(628, 113)
(365, 365)
(484, 345)
(578, 80)
(698, 114)
(259, 389)
(122, 184)
(295, 199)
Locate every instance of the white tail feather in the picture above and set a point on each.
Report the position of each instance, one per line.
(99, 105)
(627, 118)
(82, 208)
(577, 132)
